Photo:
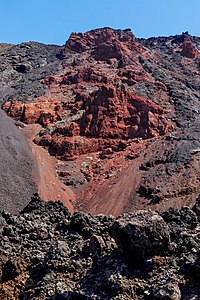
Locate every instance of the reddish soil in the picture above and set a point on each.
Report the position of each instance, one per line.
(49, 186)
(110, 196)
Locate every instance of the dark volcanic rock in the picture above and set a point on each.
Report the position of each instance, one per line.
(17, 167)
(23, 66)
(141, 234)
(47, 253)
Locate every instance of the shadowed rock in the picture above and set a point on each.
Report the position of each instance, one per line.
(18, 169)
(141, 235)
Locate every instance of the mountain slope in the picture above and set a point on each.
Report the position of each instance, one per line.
(121, 114)
(18, 171)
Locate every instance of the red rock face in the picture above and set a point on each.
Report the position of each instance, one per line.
(116, 114)
(44, 111)
(188, 49)
(109, 116)
(186, 46)
(103, 44)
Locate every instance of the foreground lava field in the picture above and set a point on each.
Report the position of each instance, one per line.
(47, 253)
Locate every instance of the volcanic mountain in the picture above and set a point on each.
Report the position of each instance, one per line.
(118, 115)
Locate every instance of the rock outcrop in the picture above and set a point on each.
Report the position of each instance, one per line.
(48, 253)
(104, 44)
(45, 111)
(139, 239)
(189, 50)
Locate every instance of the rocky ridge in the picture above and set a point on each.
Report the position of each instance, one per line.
(47, 253)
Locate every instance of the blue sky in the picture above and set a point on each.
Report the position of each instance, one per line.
(52, 21)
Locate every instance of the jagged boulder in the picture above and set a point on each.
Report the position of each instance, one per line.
(141, 235)
(188, 49)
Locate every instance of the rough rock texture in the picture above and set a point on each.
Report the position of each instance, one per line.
(188, 49)
(117, 111)
(47, 253)
(44, 112)
(18, 170)
(92, 95)
(23, 66)
(128, 230)
(104, 44)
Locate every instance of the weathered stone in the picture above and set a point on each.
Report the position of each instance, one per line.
(139, 239)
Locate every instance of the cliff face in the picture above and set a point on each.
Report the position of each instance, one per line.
(121, 113)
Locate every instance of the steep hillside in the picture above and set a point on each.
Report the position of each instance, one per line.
(120, 114)
(18, 170)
